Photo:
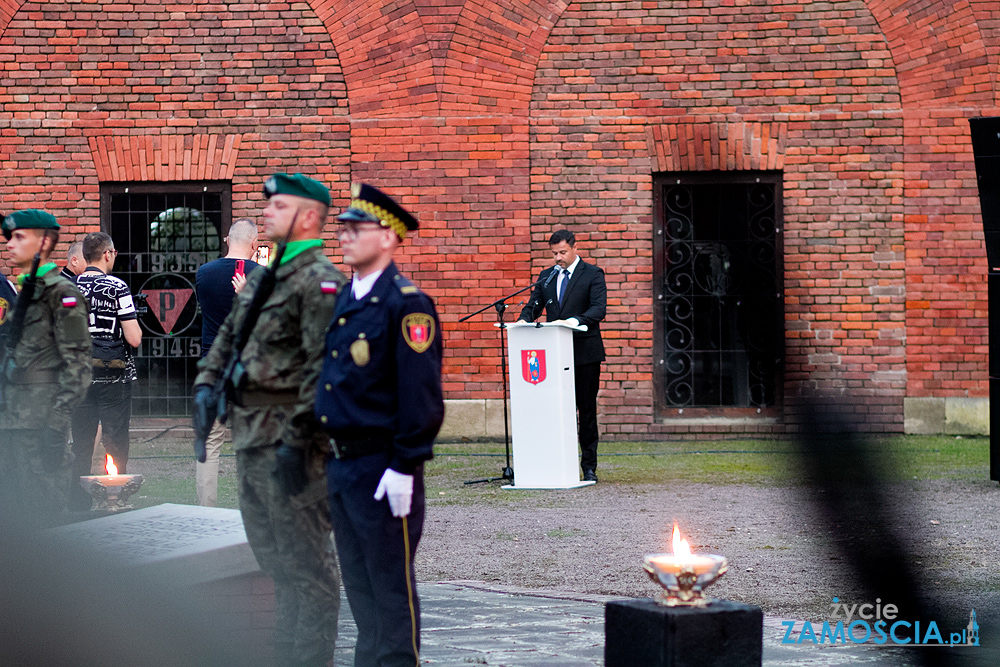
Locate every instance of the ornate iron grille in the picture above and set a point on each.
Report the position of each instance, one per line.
(163, 233)
(722, 338)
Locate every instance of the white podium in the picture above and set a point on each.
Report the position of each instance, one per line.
(543, 406)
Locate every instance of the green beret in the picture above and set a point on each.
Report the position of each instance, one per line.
(298, 185)
(28, 219)
(369, 204)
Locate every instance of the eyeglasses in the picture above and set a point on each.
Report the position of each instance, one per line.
(351, 232)
(112, 251)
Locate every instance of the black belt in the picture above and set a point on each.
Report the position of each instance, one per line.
(264, 399)
(352, 448)
(29, 376)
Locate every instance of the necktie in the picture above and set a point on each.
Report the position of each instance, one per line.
(562, 285)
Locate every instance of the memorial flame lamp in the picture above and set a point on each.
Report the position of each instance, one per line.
(682, 574)
(110, 492)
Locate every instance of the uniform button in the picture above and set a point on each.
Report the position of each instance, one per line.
(361, 335)
(342, 321)
(323, 419)
(334, 354)
(374, 299)
(329, 387)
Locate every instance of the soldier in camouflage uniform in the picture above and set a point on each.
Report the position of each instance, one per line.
(45, 376)
(280, 451)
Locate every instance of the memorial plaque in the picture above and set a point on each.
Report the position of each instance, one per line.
(189, 543)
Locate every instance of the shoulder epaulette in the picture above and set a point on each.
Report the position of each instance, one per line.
(404, 285)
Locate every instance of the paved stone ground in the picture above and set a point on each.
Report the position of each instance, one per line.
(469, 623)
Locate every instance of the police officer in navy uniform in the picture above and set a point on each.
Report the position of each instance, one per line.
(379, 397)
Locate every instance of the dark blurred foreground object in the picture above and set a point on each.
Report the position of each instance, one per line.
(63, 605)
(722, 634)
(986, 149)
(847, 480)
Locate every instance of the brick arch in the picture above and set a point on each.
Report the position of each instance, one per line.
(461, 55)
(369, 38)
(7, 10)
(940, 54)
(177, 157)
(717, 146)
(493, 54)
(987, 13)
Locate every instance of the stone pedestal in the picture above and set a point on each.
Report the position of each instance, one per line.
(166, 585)
(641, 632)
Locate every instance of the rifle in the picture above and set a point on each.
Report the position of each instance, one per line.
(233, 376)
(17, 325)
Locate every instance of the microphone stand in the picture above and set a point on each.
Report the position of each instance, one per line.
(500, 306)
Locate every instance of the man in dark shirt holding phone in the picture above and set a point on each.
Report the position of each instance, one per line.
(217, 283)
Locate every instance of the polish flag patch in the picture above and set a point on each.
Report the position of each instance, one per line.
(328, 287)
(69, 302)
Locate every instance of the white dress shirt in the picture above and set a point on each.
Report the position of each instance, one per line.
(361, 286)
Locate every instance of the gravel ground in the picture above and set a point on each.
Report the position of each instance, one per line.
(592, 540)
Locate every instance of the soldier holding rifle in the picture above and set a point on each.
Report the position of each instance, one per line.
(45, 369)
(265, 361)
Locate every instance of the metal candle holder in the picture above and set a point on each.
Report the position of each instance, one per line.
(684, 575)
(684, 578)
(110, 492)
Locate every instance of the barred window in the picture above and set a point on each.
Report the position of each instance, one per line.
(163, 232)
(719, 336)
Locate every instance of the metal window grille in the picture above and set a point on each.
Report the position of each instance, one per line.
(163, 233)
(720, 340)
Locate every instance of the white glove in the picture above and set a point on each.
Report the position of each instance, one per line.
(399, 488)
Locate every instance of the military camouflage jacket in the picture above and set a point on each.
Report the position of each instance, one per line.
(52, 361)
(283, 355)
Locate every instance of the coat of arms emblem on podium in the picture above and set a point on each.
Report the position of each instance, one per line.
(533, 365)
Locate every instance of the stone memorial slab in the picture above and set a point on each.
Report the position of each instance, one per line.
(188, 543)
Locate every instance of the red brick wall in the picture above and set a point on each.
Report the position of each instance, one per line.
(826, 73)
(951, 78)
(73, 72)
(498, 122)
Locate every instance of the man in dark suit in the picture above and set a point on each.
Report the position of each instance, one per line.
(575, 291)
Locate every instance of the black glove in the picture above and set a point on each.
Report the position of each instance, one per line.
(204, 418)
(52, 449)
(290, 470)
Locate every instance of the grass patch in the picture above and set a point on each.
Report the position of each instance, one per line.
(167, 465)
(561, 533)
(755, 462)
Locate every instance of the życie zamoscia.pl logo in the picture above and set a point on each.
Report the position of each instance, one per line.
(877, 624)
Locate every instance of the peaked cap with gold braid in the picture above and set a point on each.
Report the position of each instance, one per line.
(369, 204)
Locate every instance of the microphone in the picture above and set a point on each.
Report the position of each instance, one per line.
(552, 274)
(538, 325)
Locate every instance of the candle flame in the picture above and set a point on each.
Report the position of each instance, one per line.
(113, 469)
(680, 545)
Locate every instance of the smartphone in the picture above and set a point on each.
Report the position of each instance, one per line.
(239, 267)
